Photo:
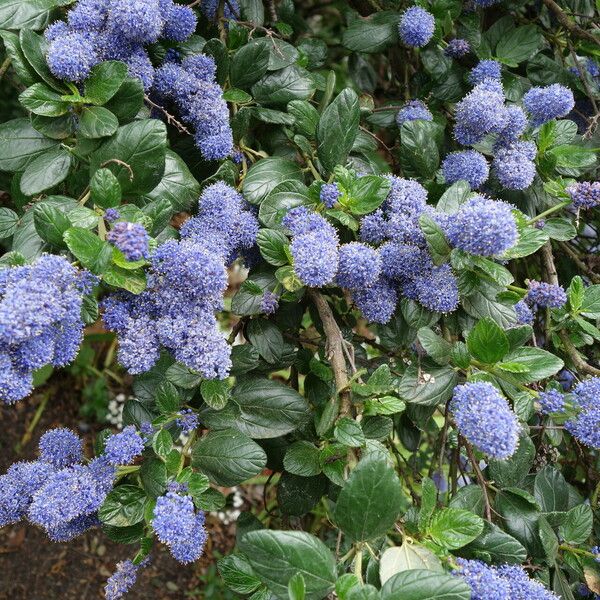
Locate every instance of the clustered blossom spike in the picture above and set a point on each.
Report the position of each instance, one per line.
(98, 30)
(329, 194)
(585, 425)
(457, 48)
(483, 226)
(485, 419)
(545, 295)
(40, 320)
(179, 526)
(56, 492)
(485, 69)
(131, 239)
(585, 194)
(547, 103)
(469, 165)
(501, 582)
(514, 167)
(524, 314)
(414, 110)
(551, 401)
(416, 27)
(122, 580)
(231, 9)
(123, 447)
(187, 421)
(191, 86)
(269, 302)
(186, 283)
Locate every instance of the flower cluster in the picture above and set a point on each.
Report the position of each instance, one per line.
(483, 226)
(585, 425)
(485, 419)
(502, 582)
(414, 110)
(186, 283)
(40, 320)
(231, 9)
(545, 295)
(123, 447)
(191, 86)
(524, 314)
(56, 491)
(513, 165)
(98, 30)
(329, 194)
(485, 69)
(457, 48)
(469, 165)
(551, 401)
(547, 103)
(585, 194)
(122, 580)
(131, 239)
(416, 27)
(178, 525)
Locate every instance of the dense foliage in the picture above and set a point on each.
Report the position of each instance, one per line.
(347, 251)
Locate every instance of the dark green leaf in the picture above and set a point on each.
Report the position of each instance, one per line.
(9, 220)
(272, 245)
(306, 117)
(373, 34)
(276, 205)
(41, 100)
(302, 458)
(429, 388)
(18, 14)
(578, 525)
(487, 342)
(249, 64)
(264, 175)
(498, 545)
(237, 574)
(215, 393)
(266, 338)
(93, 253)
(105, 189)
(454, 528)
(124, 506)
(162, 443)
(418, 148)
(50, 223)
(349, 432)
(512, 472)
(21, 144)
(519, 45)
(551, 490)
(367, 194)
(420, 584)
(280, 87)
(133, 281)
(35, 47)
(97, 122)
(297, 496)
(104, 81)
(46, 171)
(128, 100)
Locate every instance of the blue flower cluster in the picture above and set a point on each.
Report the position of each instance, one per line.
(485, 419)
(545, 295)
(585, 426)
(187, 421)
(501, 582)
(524, 314)
(513, 165)
(40, 320)
(231, 9)
(416, 27)
(483, 226)
(414, 110)
(179, 526)
(56, 491)
(122, 448)
(457, 48)
(192, 87)
(186, 283)
(585, 194)
(469, 165)
(269, 302)
(122, 580)
(131, 239)
(551, 401)
(329, 194)
(98, 30)
(547, 103)
(485, 69)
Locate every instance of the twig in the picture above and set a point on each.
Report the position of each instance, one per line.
(4, 67)
(36, 419)
(575, 257)
(334, 349)
(481, 480)
(569, 24)
(121, 163)
(171, 120)
(575, 356)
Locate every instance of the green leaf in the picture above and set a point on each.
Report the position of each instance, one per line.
(237, 574)
(483, 304)
(276, 205)
(277, 556)
(349, 432)
(93, 253)
(499, 546)
(367, 194)
(105, 189)
(297, 496)
(551, 490)
(373, 484)
(407, 557)
(162, 443)
(46, 171)
(50, 223)
(128, 100)
(249, 64)
(97, 122)
(247, 300)
(435, 345)
(27, 76)
(215, 393)
(124, 506)
(272, 245)
(560, 228)
(133, 281)
(18, 14)
(280, 87)
(578, 525)
(520, 518)
(420, 584)
(167, 398)
(454, 528)
(21, 144)
(418, 148)
(104, 81)
(530, 241)
(41, 100)
(548, 539)
(35, 48)
(384, 405)
(428, 503)
(237, 96)
(540, 363)
(153, 474)
(266, 338)
(591, 302)
(373, 34)
(435, 238)
(302, 458)
(337, 129)
(228, 457)
(512, 472)
(264, 175)
(487, 342)
(576, 293)
(268, 408)
(9, 220)
(140, 150)
(427, 387)
(297, 587)
(453, 197)
(306, 117)
(573, 157)
(519, 45)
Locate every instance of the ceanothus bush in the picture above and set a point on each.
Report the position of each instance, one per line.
(340, 255)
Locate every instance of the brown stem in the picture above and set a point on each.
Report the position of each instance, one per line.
(575, 258)
(334, 349)
(481, 480)
(569, 24)
(575, 356)
(171, 120)
(4, 67)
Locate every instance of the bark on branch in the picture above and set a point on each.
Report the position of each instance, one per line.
(569, 24)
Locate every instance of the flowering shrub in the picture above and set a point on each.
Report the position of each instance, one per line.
(346, 250)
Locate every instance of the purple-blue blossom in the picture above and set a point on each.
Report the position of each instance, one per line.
(179, 21)
(549, 102)
(139, 21)
(485, 419)
(359, 266)
(416, 27)
(72, 56)
(187, 421)
(131, 239)
(329, 194)
(111, 215)
(61, 447)
(585, 424)
(524, 314)
(403, 261)
(231, 9)
(469, 165)
(545, 295)
(485, 69)
(483, 226)
(437, 289)
(121, 581)
(269, 302)
(413, 110)
(516, 123)
(551, 401)
(585, 194)
(514, 167)
(457, 48)
(378, 301)
(124, 447)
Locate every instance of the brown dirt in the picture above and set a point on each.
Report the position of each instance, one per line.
(34, 568)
